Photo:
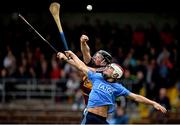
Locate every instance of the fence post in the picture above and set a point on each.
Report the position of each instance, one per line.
(3, 91)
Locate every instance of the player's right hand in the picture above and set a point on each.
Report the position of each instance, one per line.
(69, 53)
(84, 38)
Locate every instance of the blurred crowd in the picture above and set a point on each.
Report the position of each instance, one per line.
(150, 56)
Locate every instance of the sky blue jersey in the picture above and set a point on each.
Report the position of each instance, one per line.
(103, 92)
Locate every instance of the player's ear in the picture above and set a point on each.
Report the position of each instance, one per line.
(115, 75)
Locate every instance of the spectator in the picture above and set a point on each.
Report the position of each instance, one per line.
(55, 72)
(73, 83)
(163, 99)
(166, 35)
(164, 54)
(4, 73)
(44, 70)
(120, 116)
(9, 62)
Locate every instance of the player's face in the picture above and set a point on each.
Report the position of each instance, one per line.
(108, 71)
(98, 59)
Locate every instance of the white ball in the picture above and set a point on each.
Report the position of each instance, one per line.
(89, 7)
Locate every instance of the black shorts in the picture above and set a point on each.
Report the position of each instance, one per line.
(91, 118)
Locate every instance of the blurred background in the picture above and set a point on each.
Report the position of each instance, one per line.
(142, 36)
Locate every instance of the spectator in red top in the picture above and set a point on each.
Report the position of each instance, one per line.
(56, 71)
(138, 36)
(166, 35)
(138, 40)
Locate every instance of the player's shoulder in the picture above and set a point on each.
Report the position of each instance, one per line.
(94, 74)
(100, 69)
(117, 84)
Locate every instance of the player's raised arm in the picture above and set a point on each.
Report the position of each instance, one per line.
(72, 59)
(85, 48)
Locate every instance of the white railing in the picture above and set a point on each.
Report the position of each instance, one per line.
(12, 89)
(30, 88)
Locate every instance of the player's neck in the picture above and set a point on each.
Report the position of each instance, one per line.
(110, 80)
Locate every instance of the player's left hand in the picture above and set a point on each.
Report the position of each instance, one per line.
(159, 107)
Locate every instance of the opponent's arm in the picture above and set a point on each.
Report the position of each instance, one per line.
(73, 60)
(85, 49)
(62, 57)
(145, 100)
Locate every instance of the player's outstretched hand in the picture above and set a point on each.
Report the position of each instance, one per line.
(159, 107)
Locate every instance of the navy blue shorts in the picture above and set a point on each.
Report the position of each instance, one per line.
(91, 118)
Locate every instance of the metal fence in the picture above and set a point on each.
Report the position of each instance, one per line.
(31, 88)
(27, 89)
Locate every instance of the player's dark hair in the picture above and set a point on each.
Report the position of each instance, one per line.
(107, 56)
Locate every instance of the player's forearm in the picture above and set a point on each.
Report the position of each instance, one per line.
(144, 100)
(86, 52)
(79, 64)
(71, 62)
